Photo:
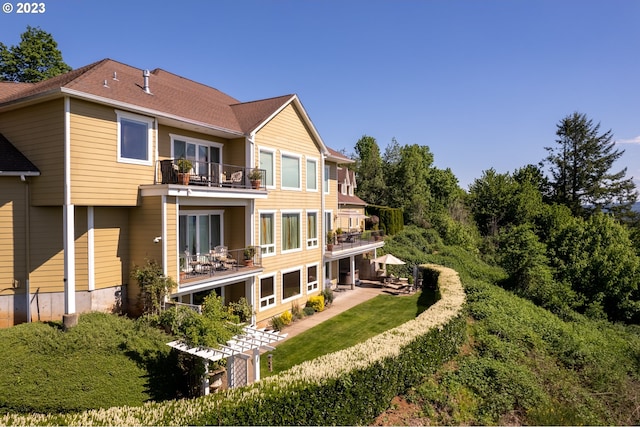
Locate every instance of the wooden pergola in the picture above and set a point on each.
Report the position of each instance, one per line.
(238, 351)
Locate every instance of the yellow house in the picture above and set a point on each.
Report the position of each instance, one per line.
(108, 166)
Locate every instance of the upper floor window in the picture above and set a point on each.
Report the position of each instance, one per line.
(312, 229)
(134, 138)
(290, 172)
(290, 231)
(201, 153)
(312, 174)
(327, 175)
(267, 162)
(267, 229)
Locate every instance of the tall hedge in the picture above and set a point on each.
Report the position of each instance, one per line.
(391, 219)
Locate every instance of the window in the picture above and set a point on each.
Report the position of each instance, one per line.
(267, 231)
(290, 231)
(312, 278)
(291, 284)
(201, 153)
(328, 223)
(267, 162)
(267, 292)
(134, 138)
(312, 175)
(290, 172)
(312, 229)
(327, 175)
(199, 233)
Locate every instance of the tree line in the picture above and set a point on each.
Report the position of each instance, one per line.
(563, 229)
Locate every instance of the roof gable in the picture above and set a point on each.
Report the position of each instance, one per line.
(13, 162)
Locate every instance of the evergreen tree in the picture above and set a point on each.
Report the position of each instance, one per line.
(580, 169)
(36, 58)
(369, 171)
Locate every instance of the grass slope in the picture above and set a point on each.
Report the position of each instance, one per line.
(104, 361)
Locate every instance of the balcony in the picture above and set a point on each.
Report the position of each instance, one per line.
(209, 174)
(355, 240)
(218, 266)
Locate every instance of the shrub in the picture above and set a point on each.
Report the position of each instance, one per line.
(277, 324)
(308, 311)
(286, 317)
(316, 302)
(296, 312)
(328, 296)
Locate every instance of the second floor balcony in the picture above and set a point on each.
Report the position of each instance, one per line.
(209, 174)
(219, 264)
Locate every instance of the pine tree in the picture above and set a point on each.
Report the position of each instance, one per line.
(580, 169)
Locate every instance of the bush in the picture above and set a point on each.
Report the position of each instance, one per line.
(296, 312)
(286, 317)
(308, 311)
(328, 296)
(277, 324)
(316, 302)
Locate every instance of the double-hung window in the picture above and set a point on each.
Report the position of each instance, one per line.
(290, 171)
(267, 292)
(267, 233)
(312, 278)
(134, 138)
(312, 229)
(290, 224)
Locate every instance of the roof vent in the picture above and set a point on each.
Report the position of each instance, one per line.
(115, 76)
(145, 75)
(105, 84)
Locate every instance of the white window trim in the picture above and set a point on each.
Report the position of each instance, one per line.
(267, 298)
(273, 161)
(191, 140)
(207, 213)
(299, 212)
(148, 121)
(317, 238)
(291, 270)
(299, 157)
(314, 160)
(316, 283)
(275, 239)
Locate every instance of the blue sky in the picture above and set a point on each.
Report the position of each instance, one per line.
(482, 83)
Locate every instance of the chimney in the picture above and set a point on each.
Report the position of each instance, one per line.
(146, 75)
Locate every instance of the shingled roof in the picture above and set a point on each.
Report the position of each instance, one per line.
(168, 95)
(13, 162)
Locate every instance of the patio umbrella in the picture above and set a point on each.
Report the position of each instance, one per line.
(388, 259)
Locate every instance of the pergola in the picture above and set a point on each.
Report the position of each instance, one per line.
(235, 351)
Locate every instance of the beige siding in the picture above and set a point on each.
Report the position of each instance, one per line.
(38, 132)
(111, 246)
(97, 178)
(287, 133)
(47, 256)
(12, 235)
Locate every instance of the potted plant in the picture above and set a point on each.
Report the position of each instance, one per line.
(339, 233)
(184, 168)
(330, 240)
(255, 176)
(249, 252)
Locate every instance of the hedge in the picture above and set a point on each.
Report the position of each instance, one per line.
(348, 387)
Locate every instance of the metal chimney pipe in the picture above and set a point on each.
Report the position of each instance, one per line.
(145, 75)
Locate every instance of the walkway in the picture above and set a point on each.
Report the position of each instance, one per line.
(342, 300)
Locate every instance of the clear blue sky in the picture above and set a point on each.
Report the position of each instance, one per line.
(482, 83)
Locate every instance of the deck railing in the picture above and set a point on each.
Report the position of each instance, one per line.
(344, 241)
(202, 266)
(208, 174)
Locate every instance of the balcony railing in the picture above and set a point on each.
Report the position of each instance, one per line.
(195, 267)
(348, 240)
(209, 174)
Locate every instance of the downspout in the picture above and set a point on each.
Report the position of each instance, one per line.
(250, 157)
(27, 244)
(323, 219)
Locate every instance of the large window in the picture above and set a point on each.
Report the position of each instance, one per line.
(290, 172)
(267, 292)
(312, 278)
(312, 229)
(199, 233)
(312, 174)
(328, 222)
(267, 162)
(205, 155)
(267, 230)
(134, 138)
(291, 284)
(290, 231)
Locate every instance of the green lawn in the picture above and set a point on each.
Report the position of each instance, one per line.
(355, 325)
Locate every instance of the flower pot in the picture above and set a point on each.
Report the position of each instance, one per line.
(255, 183)
(248, 263)
(183, 178)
